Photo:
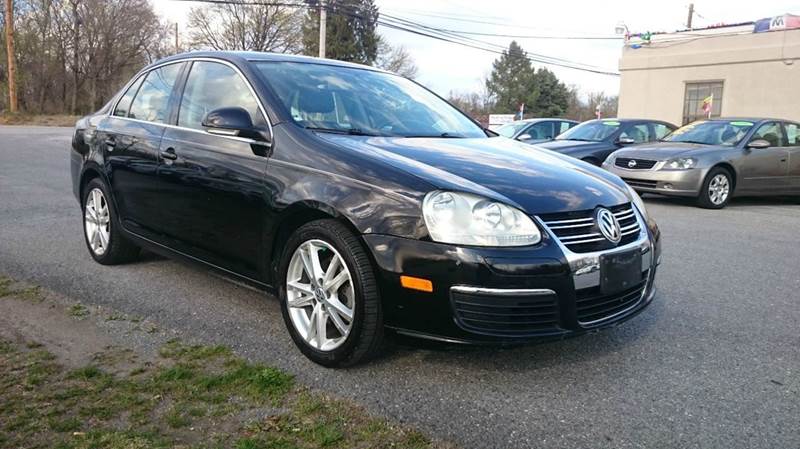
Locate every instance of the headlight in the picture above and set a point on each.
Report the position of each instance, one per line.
(681, 163)
(465, 219)
(637, 201)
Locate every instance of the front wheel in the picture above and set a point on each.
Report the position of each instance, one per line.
(716, 190)
(101, 227)
(329, 295)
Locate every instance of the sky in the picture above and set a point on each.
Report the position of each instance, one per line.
(446, 67)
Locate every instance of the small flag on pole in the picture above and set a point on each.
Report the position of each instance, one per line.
(708, 104)
(521, 111)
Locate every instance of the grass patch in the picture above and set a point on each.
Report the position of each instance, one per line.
(194, 396)
(78, 311)
(38, 120)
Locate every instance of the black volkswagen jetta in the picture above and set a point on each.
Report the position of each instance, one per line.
(366, 201)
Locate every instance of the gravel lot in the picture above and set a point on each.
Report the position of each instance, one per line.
(713, 363)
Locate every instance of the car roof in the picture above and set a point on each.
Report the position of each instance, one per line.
(252, 56)
(745, 119)
(628, 120)
(541, 119)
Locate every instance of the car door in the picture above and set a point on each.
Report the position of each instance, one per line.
(130, 138)
(212, 184)
(764, 171)
(792, 131)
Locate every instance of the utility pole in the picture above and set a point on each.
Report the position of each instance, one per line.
(691, 15)
(323, 22)
(12, 63)
(177, 45)
(75, 42)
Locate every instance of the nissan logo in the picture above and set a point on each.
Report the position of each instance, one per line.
(631, 163)
(608, 225)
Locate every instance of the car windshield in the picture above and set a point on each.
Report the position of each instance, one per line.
(713, 132)
(362, 102)
(594, 131)
(509, 129)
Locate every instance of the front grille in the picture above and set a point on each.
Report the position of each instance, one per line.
(641, 164)
(578, 230)
(516, 314)
(641, 183)
(593, 307)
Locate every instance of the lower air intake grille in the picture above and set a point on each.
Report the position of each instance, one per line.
(593, 307)
(641, 183)
(513, 313)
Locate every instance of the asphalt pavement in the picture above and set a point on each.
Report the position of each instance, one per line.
(713, 363)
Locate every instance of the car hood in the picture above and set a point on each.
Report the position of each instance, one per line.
(573, 146)
(662, 151)
(524, 176)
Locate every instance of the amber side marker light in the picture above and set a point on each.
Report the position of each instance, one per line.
(416, 283)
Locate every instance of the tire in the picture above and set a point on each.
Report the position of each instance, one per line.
(364, 337)
(717, 189)
(114, 248)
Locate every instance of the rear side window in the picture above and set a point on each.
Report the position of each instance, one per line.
(792, 131)
(564, 126)
(152, 102)
(124, 104)
(210, 86)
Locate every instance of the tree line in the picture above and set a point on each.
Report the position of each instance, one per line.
(72, 56)
(514, 82)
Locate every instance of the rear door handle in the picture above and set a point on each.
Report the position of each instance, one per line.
(169, 153)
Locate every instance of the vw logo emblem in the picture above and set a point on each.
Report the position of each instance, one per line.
(631, 163)
(608, 225)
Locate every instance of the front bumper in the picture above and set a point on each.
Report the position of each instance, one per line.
(542, 286)
(665, 182)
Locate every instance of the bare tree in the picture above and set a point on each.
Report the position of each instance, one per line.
(395, 59)
(255, 27)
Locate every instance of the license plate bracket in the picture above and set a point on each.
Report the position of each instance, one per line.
(620, 271)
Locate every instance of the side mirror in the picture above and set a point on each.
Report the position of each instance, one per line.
(236, 122)
(625, 141)
(759, 144)
(523, 137)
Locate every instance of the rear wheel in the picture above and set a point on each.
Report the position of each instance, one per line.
(101, 227)
(716, 190)
(329, 296)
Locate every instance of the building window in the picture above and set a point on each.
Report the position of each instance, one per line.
(693, 101)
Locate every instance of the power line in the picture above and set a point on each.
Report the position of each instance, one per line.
(402, 24)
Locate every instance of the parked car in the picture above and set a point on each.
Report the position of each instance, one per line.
(715, 160)
(535, 130)
(594, 140)
(363, 200)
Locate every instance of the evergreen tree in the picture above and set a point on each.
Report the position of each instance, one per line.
(512, 81)
(553, 97)
(351, 31)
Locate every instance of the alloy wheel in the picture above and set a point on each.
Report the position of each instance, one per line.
(320, 295)
(718, 189)
(97, 221)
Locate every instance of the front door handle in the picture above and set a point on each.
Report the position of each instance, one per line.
(110, 142)
(169, 153)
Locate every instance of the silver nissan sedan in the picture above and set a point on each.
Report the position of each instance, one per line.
(714, 160)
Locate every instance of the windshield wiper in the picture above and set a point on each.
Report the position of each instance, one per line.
(349, 131)
(689, 141)
(444, 135)
(577, 139)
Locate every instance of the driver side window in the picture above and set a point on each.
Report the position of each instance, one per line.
(210, 86)
(541, 130)
(771, 132)
(639, 133)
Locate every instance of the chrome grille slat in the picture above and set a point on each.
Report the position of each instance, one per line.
(578, 232)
